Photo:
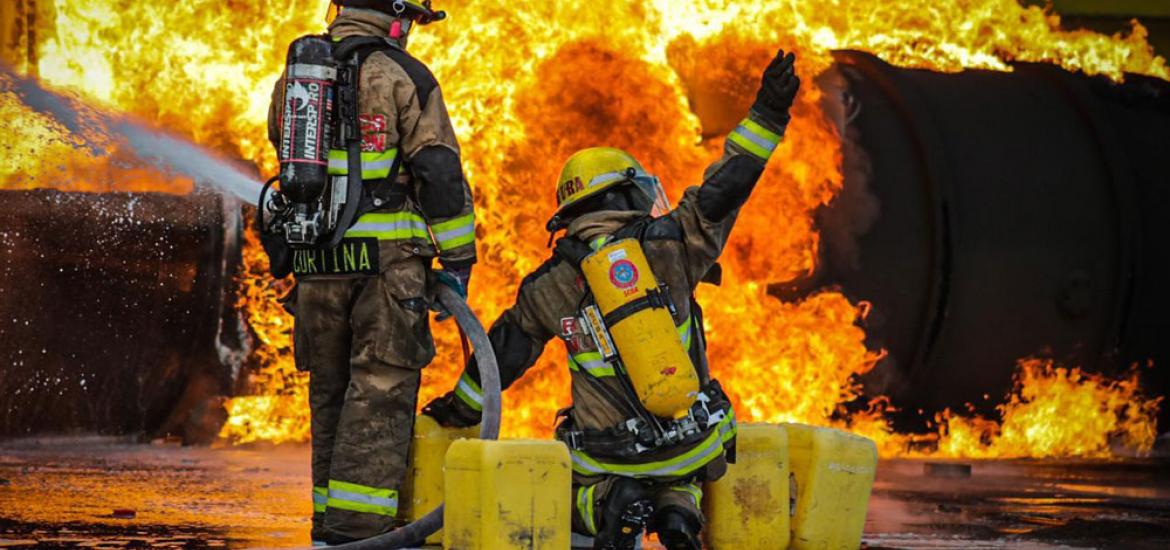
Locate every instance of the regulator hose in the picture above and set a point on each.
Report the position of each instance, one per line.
(489, 375)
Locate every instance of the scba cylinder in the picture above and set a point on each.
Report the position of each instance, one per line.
(642, 328)
(310, 84)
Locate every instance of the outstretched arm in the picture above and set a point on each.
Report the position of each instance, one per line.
(708, 212)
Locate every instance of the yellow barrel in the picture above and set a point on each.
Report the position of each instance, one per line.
(833, 474)
(507, 495)
(424, 479)
(748, 508)
(647, 341)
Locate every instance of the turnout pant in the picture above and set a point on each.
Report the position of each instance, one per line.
(364, 342)
(591, 496)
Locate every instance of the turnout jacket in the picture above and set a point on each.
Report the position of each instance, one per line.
(402, 113)
(682, 248)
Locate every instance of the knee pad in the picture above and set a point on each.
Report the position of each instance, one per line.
(678, 529)
(626, 510)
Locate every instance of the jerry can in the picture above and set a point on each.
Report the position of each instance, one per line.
(832, 474)
(748, 508)
(635, 315)
(424, 477)
(507, 495)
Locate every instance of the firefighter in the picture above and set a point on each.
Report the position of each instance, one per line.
(361, 310)
(632, 468)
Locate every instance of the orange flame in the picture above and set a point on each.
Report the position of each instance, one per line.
(527, 83)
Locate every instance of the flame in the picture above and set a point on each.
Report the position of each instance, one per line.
(1056, 412)
(527, 83)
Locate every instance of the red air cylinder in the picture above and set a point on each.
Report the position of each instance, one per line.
(310, 85)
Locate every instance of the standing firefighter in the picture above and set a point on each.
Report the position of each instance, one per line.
(371, 191)
(648, 423)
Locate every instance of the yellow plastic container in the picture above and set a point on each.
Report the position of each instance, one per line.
(748, 508)
(512, 494)
(833, 474)
(647, 341)
(424, 479)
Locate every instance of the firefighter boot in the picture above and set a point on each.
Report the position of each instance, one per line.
(677, 529)
(627, 509)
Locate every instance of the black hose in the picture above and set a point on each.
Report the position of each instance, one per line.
(489, 379)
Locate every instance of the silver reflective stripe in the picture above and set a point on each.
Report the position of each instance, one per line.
(386, 227)
(713, 446)
(455, 233)
(339, 164)
(370, 166)
(315, 72)
(762, 142)
(350, 496)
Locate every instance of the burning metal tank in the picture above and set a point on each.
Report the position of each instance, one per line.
(990, 216)
(117, 313)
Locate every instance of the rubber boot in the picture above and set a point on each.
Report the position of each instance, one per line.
(627, 509)
(677, 529)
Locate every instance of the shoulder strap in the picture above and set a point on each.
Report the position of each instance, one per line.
(572, 250)
(365, 46)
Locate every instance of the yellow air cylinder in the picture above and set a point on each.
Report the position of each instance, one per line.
(505, 495)
(833, 474)
(647, 340)
(748, 508)
(424, 478)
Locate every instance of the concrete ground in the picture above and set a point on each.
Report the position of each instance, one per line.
(102, 493)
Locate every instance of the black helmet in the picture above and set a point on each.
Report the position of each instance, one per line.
(418, 10)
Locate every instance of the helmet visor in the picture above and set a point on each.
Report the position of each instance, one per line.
(652, 187)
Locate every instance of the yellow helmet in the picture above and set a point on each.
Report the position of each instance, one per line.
(593, 170)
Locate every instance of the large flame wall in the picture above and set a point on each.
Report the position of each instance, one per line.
(529, 82)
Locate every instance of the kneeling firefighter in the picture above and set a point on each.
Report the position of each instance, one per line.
(371, 192)
(648, 423)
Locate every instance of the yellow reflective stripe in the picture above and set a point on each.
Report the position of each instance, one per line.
(375, 165)
(361, 498)
(684, 333)
(686, 463)
(691, 489)
(592, 362)
(756, 139)
(598, 243)
(320, 498)
(390, 226)
(469, 392)
(585, 507)
(455, 233)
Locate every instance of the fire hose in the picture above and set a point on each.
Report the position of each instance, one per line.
(489, 428)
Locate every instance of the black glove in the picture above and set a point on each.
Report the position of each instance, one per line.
(778, 88)
(452, 412)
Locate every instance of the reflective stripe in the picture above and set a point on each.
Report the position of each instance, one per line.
(585, 507)
(374, 165)
(592, 362)
(393, 226)
(684, 333)
(684, 464)
(598, 243)
(470, 392)
(360, 498)
(691, 489)
(320, 498)
(758, 140)
(320, 544)
(455, 233)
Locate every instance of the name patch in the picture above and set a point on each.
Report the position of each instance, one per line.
(351, 257)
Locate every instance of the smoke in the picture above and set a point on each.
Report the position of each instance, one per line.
(99, 133)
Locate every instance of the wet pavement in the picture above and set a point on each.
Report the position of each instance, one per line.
(103, 493)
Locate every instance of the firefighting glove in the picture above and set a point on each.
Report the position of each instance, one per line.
(778, 88)
(451, 412)
(456, 279)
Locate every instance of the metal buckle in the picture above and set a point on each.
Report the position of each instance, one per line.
(399, 6)
(573, 440)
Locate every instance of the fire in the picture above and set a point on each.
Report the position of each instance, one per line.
(527, 83)
(1056, 412)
